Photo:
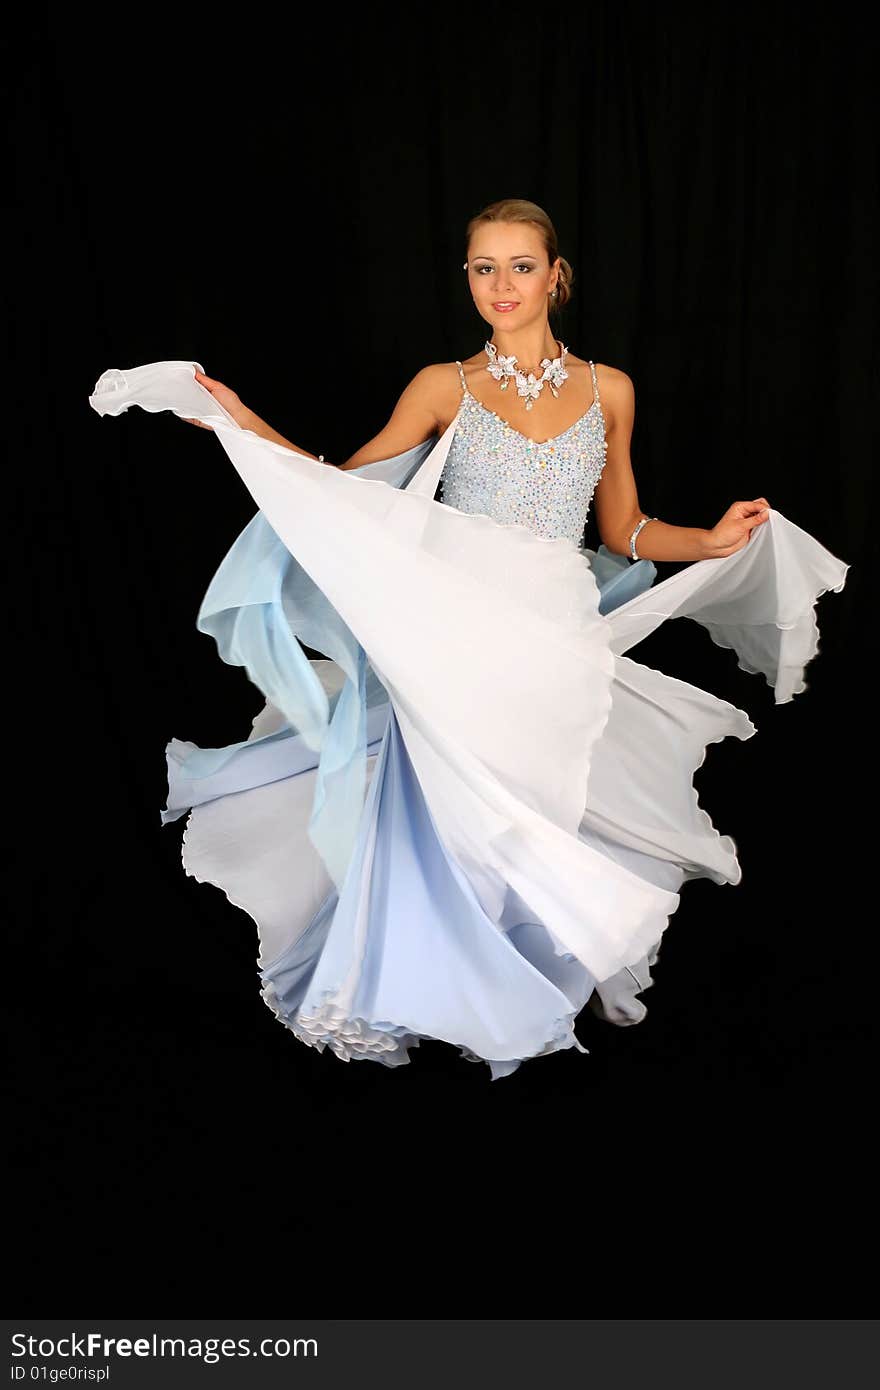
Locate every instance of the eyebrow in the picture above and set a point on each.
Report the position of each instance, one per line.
(522, 256)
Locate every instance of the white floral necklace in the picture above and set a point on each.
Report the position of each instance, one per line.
(530, 387)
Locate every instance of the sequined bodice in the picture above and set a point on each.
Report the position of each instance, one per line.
(494, 469)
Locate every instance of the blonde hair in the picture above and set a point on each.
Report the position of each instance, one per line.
(521, 210)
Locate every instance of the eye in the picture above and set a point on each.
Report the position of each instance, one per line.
(521, 265)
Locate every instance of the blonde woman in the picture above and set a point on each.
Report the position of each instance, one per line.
(518, 281)
(471, 814)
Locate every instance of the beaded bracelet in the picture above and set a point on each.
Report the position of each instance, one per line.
(632, 540)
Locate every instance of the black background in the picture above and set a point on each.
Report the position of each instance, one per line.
(283, 199)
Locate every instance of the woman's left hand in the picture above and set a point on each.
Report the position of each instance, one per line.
(734, 530)
(228, 398)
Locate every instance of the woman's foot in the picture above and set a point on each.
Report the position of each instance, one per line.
(615, 1000)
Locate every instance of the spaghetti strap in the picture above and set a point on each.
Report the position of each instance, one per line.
(461, 374)
(595, 384)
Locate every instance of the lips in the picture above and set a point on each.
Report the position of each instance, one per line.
(505, 305)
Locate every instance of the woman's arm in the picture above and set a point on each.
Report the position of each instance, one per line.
(249, 421)
(617, 503)
(413, 420)
(246, 419)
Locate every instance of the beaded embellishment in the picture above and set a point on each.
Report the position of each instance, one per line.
(493, 469)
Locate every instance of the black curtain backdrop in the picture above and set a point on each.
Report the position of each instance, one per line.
(283, 199)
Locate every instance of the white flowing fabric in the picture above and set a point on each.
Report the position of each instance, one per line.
(566, 778)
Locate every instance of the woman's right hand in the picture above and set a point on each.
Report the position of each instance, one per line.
(226, 397)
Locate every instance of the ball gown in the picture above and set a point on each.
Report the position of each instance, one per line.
(473, 813)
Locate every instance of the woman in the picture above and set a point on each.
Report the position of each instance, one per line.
(516, 279)
(476, 814)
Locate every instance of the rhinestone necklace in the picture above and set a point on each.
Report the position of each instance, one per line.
(530, 387)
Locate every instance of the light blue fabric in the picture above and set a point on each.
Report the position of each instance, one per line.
(432, 954)
(259, 607)
(619, 579)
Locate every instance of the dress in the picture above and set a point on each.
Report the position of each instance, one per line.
(474, 814)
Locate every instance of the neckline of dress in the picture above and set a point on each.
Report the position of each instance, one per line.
(539, 443)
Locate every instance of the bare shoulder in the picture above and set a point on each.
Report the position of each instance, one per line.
(438, 376)
(417, 415)
(440, 384)
(613, 379)
(617, 393)
(431, 392)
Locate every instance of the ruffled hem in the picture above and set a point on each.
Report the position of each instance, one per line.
(802, 662)
(347, 1038)
(353, 1039)
(729, 722)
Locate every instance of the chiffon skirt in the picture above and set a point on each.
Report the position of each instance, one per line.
(473, 814)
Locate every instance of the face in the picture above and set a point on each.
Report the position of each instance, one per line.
(508, 265)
